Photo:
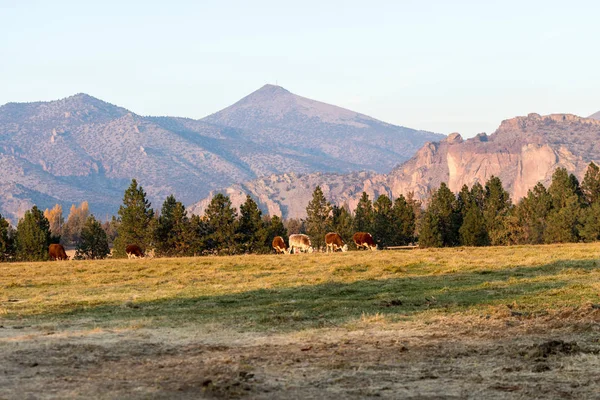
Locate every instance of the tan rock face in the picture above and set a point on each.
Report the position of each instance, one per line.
(522, 152)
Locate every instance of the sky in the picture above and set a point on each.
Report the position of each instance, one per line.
(442, 66)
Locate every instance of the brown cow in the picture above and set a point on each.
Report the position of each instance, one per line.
(301, 243)
(334, 242)
(280, 246)
(57, 252)
(134, 251)
(364, 239)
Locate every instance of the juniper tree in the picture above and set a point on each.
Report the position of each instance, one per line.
(318, 218)
(93, 242)
(136, 220)
(251, 230)
(33, 236)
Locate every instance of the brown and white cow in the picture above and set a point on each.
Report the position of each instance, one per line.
(134, 251)
(334, 242)
(57, 252)
(364, 239)
(280, 246)
(301, 243)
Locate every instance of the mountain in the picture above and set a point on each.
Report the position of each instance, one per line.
(82, 148)
(595, 116)
(522, 152)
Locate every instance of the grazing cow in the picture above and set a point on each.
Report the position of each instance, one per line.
(364, 239)
(334, 242)
(280, 246)
(57, 252)
(300, 242)
(134, 251)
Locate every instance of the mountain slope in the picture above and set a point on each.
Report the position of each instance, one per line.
(82, 148)
(522, 152)
(273, 116)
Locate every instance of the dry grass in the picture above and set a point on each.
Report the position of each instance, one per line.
(306, 291)
(436, 323)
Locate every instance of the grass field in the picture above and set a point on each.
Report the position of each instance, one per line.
(497, 322)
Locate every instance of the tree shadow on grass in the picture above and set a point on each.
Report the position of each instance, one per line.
(334, 303)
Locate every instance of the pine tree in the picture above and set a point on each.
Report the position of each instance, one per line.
(171, 236)
(251, 230)
(342, 223)
(221, 224)
(198, 235)
(93, 243)
(383, 224)
(590, 229)
(430, 234)
(363, 215)
(496, 208)
(275, 227)
(472, 231)
(33, 236)
(403, 222)
(417, 211)
(443, 206)
(7, 249)
(136, 219)
(532, 213)
(567, 201)
(318, 218)
(590, 186)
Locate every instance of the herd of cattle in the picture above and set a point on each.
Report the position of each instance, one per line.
(333, 242)
(299, 243)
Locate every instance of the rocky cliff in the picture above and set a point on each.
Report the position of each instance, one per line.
(522, 152)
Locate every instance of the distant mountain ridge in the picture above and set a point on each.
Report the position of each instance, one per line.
(82, 148)
(522, 152)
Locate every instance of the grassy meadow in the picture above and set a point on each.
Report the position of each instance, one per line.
(294, 292)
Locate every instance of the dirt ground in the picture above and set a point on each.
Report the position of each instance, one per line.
(441, 359)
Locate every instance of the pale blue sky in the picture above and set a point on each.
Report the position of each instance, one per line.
(443, 66)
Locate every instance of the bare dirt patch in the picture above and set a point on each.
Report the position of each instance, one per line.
(451, 358)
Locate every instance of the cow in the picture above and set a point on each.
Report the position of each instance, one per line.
(280, 246)
(334, 242)
(134, 251)
(364, 239)
(300, 242)
(57, 252)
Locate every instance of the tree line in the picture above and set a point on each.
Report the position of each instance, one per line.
(481, 215)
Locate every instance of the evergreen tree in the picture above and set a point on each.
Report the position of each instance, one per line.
(443, 206)
(496, 208)
(172, 231)
(318, 218)
(275, 227)
(251, 230)
(567, 200)
(417, 211)
(93, 243)
(590, 186)
(7, 249)
(363, 215)
(199, 232)
(383, 222)
(472, 231)
(33, 236)
(532, 213)
(136, 219)
(221, 224)
(590, 229)
(342, 223)
(403, 221)
(430, 234)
